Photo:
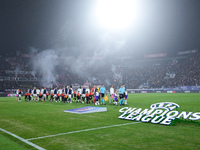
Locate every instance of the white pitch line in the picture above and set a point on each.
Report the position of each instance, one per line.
(80, 131)
(22, 139)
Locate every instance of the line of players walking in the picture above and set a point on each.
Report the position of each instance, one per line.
(97, 95)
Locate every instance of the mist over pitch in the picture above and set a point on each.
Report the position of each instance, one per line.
(86, 60)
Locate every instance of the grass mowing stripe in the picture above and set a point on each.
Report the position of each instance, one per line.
(81, 131)
(22, 139)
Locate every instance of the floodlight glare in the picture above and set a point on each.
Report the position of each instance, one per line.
(115, 14)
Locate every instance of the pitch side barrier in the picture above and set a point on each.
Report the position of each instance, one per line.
(143, 91)
(3, 95)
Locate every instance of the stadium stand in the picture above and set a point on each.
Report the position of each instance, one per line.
(15, 72)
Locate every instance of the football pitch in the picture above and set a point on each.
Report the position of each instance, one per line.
(45, 125)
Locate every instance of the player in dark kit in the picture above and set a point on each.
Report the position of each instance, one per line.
(47, 95)
(40, 96)
(74, 95)
(83, 94)
(87, 97)
(55, 92)
(90, 97)
(44, 93)
(51, 98)
(25, 97)
(65, 98)
(66, 90)
(29, 94)
(58, 97)
(70, 93)
(78, 97)
(62, 96)
(29, 97)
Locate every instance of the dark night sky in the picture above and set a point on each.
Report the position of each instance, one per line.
(164, 26)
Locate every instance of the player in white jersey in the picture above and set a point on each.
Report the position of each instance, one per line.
(88, 90)
(44, 93)
(38, 91)
(34, 93)
(19, 94)
(60, 91)
(79, 90)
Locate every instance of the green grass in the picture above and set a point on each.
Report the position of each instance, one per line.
(35, 119)
(8, 144)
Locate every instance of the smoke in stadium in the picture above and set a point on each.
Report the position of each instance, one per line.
(124, 69)
(99, 42)
(54, 64)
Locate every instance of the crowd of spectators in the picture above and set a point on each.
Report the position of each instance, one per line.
(184, 71)
(166, 72)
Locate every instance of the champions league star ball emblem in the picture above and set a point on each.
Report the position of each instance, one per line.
(163, 113)
(84, 109)
(88, 109)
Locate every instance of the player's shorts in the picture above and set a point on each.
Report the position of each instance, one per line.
(115, 99)
(78, 97)
(83, 95)
(70, 96)
(34, 95)
(102, 94)
(126, 96)
(19, 95)
(97, 98)
(55, 95)
(120, 96)
(44, 95)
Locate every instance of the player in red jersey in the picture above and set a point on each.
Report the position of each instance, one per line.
(29, 97)
(51, 98)
(87, 97)
(93, 89)
(65, 98)
(74, 96)
(78, 97)
(47, 95)
(62, 97)
(58, 97)
(25, 96)
(40, 96)
(90, 97)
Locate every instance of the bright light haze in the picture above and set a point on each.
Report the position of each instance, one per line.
(94, 27)
(115, 14)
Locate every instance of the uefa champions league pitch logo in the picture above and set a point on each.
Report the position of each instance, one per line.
(163, 113)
